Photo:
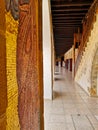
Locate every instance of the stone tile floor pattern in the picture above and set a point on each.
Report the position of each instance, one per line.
(71, 107)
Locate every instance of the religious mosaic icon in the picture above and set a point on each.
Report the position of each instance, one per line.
(13, 6)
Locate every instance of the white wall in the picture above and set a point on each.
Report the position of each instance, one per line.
(97, 83)
(83, 75)
(47, 61)
(68, 54)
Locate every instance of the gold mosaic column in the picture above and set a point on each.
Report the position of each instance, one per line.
(3, 80)
(12, 88)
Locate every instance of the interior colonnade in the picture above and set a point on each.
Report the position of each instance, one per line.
(27, 62)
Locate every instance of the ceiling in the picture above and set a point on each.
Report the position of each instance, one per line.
(67, 17)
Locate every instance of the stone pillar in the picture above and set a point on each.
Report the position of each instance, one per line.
(29, 66)
(47, 50)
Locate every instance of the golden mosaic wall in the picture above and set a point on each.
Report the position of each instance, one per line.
(12, 89)
(8, 84)
(3, 80)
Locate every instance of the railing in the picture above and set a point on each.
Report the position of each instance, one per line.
(88, 22)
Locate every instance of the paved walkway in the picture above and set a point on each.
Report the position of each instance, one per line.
(71, 108)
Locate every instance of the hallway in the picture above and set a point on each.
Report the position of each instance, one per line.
(71, 108)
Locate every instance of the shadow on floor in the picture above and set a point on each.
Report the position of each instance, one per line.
(58, 79)
(56, 94)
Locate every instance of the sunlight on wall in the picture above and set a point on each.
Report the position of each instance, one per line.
(83, 75)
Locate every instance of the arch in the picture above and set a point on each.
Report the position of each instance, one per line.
(94, 75)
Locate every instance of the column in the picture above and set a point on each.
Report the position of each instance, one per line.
(47, 50)
(29, 66)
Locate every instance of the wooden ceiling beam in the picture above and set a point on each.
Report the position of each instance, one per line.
(72, 4)
(67, 14)
(63, 47)
(68, 10)
(64, 37)
(68, 17)
(60, 50)
(64, 44)
(58, 34)
(62, 23)
(66, 27)
(64, 20)
(68, 23)
(60, 27)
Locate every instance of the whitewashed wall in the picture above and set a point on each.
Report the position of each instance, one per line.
(47, 51)
(83, 75)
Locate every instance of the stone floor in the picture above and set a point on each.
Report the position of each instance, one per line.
(71, 108)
